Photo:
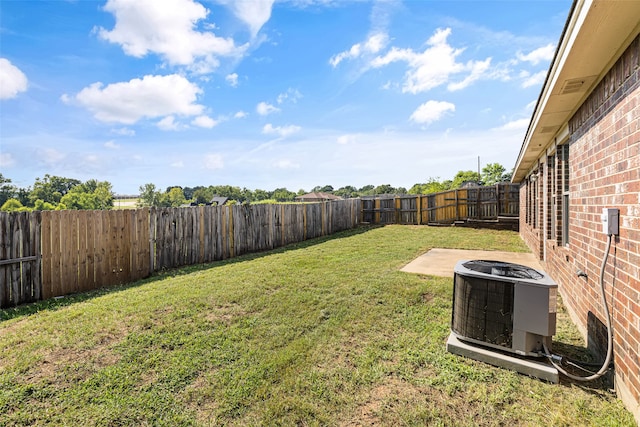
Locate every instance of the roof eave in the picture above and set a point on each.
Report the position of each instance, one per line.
(583, 56)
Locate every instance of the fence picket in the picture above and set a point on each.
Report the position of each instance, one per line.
(14, 252)
(34, 227)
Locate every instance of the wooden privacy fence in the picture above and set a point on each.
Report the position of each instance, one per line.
(53, 253)
(20, 274)
(479, 204)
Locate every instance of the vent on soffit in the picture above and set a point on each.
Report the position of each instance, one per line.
(549, 129)
(572, 86)
(578, 85)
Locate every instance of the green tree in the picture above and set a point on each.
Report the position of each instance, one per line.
(384, 189)
(234, 193)
(175, 197)
(149, 196)
(367, 190)
(322, 189)
(104, 194)
(22, 194)
(347, 191)
(261, 195)
(283, 195)
(463, 177)
(433, 185)
(93, 194)
(51, 188)
(41, 205)
(202, 195)
(11, 205)
(494, 173)
(7, 190)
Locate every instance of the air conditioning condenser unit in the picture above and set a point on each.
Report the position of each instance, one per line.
(502, 314)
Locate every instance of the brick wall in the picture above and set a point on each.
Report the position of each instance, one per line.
(604, 164)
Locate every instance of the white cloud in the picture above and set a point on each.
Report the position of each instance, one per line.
(282, 131)
(91, 158)
(478, 69)
(12, 80)
(535, 79)
(150, 97)
(213, 161)
(168, 123)
(291, 95)
(520, 124)
(542, 54)
(204, 122)
(167, 28)
(374, 44)
(434, 66)
(6, 160)
(50, 156)
(431, 111)
(111, 145)
(254, 13)
(347, 139)
(530, 106)
(264, 108)
(120, 131)
(286, 164)
(232, 79)
(177, 164)
(240, 115)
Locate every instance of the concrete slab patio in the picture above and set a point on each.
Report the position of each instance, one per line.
(440, 262)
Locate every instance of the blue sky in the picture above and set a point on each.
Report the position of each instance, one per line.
(264, 94)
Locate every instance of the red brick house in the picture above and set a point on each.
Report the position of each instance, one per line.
(581, 154)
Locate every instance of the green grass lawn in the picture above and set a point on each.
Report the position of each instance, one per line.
(327, 332)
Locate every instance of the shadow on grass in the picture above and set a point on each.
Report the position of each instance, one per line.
(57, 303)
(582, 356)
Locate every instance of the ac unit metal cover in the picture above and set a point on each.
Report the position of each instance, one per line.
(503, 305)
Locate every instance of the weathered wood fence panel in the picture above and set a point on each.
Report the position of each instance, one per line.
(492, 203)
(53, 253)
(20, 261)
(85, 250)
(313, 220)
(449, 206)
(185, 236)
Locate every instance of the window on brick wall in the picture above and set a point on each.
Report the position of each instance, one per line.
(563, 178)
(532, 199)
(527, 201)
(552, 198)
(533, 203)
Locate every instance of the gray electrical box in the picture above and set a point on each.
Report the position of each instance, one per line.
(610, 221)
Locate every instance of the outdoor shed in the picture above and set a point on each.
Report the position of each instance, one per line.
(581, 153)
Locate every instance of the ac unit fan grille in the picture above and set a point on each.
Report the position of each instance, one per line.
(483, 310)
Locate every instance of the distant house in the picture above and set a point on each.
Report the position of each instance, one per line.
(581, 153)
(470, 184)
(218, 201)
(215, 201)
(317, 197)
